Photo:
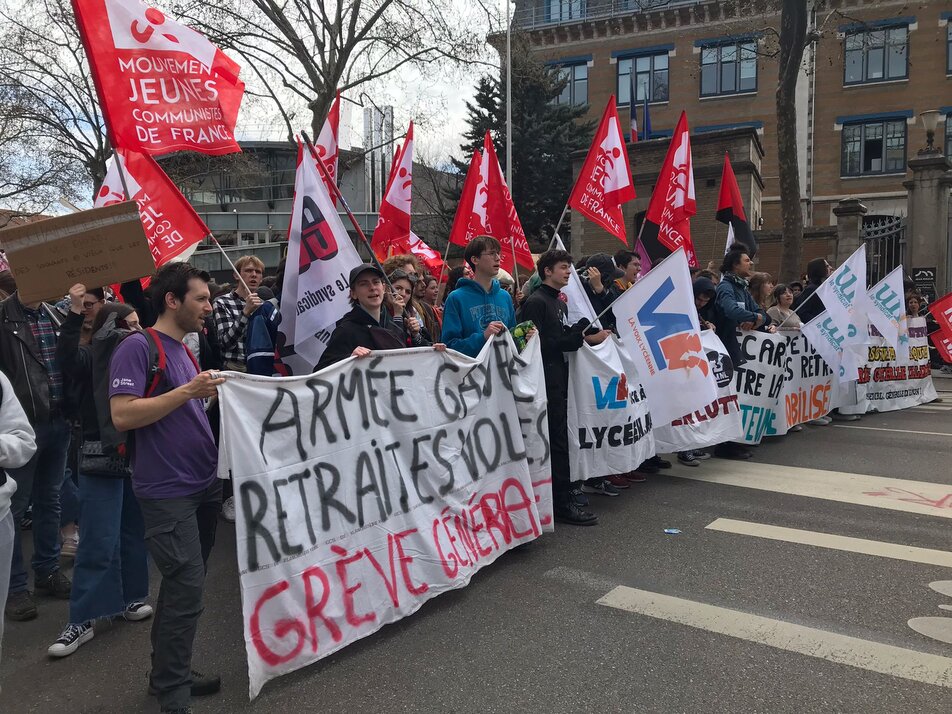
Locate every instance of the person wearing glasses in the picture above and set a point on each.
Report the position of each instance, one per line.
(93, 301)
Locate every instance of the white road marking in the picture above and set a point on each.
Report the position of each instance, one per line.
(932, 408)
(938, 628)
(943, 587)
(830, 646)
(933, 499)
(895, 431)
(879, 548)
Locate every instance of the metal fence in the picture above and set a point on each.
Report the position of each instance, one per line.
(885, 238)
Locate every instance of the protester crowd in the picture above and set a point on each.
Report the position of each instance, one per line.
(110, 424)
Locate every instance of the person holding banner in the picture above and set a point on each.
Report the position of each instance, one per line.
(406, 311)
(234, 310)
(174, 471)
(477, 309)
(782, 312)
(546, 310)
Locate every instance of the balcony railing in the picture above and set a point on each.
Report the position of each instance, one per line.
(547, 13)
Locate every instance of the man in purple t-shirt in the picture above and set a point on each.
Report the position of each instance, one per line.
(174, 473)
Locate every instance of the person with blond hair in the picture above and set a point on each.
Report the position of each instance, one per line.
(233, 311)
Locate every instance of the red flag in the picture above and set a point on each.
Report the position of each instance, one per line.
(430, 258)
(943, 345)
(667, 225)
(327, 144)
(470, 220)
(941, 310)
(503, 221)
(604, 183)
(170, 223)
(393, 226)
(730, 208)
(162, 86)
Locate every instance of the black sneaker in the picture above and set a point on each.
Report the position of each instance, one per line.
(648, 468)
(202, 686)
(73, 637)
(601, 487)
(578, 498)
(56, 584)
(732, 451)
(687, 458)
(658, 462)
(20, 607)
(574, 516)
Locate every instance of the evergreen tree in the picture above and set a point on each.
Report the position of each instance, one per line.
(544, 137)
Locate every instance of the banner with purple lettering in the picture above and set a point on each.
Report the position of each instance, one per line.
(367, 488)
(609, 425)
(715, 423)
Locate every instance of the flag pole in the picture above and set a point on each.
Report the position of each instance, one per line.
(558, 225)
(325, 174)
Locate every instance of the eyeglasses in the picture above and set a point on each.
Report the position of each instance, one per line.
(90, 305)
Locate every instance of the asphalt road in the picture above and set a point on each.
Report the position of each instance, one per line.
(529, 635)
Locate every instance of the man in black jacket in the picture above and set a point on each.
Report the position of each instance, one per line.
(368, 326)
(27, 357)
(548, 313)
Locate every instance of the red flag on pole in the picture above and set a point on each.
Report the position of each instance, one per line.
(604, 183)
(393, 226)
(667, 225)
(943, 345)
(468, 222)
(170, 223)
(327, 143)
(503, 221)
(941, 310)
(162, 86)
(730, 208)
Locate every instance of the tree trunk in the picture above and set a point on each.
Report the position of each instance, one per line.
(793, 27)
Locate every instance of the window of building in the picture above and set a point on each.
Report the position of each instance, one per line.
(575, 90)
(728, 69)
(877, 147)
(651, 78)
(564, 10)
(877, 55)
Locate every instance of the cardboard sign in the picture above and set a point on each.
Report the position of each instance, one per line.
(97, 247)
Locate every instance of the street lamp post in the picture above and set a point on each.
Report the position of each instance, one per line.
(930, 120)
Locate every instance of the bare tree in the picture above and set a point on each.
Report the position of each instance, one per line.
(52, 137)
(301, 52)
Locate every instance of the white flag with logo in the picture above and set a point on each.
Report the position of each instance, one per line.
(829, 340)
(574, 293)
(887, 312)
(316, 289)
(658, 324)
(845, 299)
(609, 426)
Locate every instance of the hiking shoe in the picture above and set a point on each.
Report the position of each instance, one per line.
(136, 611)
(600, 487)
(70, 546)
(577, 497)
(618, 481)
(20, 607)
(572, 515)
(55, 584)
(658, 462)
(686, 458)
(71, 639)
(228, 509)
(202, 686)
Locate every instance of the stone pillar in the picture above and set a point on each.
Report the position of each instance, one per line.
(849, 228)
(927, 229)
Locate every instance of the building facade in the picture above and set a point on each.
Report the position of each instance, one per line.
(874, 67)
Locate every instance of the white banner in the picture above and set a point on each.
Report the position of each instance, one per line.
(368, 488)
(759, 385)
(658, 324)
(576, 300)
(844, 296)
(830, 342)
(716, 423)
(811, 389)
(887, 383)
(609, 426)
(887, 312)
(316, 289)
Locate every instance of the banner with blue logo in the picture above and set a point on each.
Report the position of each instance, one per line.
(658, 324)
(609, 426)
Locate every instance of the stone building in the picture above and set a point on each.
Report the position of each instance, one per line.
(876, 66)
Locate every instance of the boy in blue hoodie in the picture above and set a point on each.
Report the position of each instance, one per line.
(477, 309)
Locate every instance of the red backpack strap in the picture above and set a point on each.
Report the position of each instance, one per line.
(192, 357)
(156, 360)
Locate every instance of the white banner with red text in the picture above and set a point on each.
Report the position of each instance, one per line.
(367, 488)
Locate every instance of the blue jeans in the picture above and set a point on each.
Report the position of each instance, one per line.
(41, 478)
(112, 561)
(69, 500)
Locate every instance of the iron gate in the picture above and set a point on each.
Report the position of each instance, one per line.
(885, 238)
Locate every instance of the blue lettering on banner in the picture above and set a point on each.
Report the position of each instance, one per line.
(758, 422)
(660, 325)
(613, 396)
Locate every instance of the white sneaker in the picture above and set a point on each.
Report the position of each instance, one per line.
(137, 610)
(73, 636)
(822, 421)
(228, 509)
